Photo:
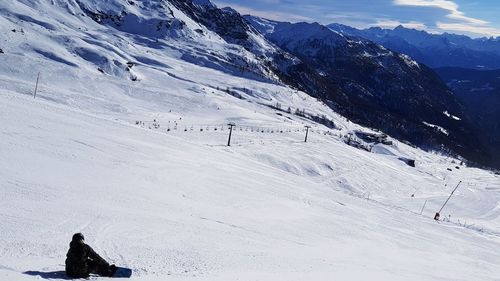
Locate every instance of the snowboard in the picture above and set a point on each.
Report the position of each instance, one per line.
(122, 272)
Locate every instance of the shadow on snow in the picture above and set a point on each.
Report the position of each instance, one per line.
(49, 274)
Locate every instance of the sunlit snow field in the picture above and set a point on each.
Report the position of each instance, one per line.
(179, 204)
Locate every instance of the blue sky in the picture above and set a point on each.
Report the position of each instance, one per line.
(471, 17)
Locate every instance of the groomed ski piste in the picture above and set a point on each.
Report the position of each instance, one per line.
(180, 204)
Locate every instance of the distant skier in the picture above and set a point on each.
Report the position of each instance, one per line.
(81, 260)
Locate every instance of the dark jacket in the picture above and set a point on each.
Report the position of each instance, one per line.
(81, 260)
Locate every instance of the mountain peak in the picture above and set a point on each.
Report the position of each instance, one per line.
(230, 10)
(206, 3)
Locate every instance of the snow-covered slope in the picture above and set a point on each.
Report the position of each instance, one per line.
(141, 166)
(114, 36)
(126, 39)
(181, 206)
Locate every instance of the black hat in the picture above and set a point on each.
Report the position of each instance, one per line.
(78, 237)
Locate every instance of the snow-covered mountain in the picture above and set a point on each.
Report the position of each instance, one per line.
(357, 78)
(126, 138)
(81, 30)
(377, 87)
(434, 50)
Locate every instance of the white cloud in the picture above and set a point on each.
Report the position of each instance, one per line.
(271, 15)
(461, 22)
(387, 23)
(450, 6)
(480, 30)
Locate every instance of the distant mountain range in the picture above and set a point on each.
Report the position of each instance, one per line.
(434, 50)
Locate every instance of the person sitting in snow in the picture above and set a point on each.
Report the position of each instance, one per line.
(82, 260)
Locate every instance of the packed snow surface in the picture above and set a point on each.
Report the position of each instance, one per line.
(181, 205)
(142, 169)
